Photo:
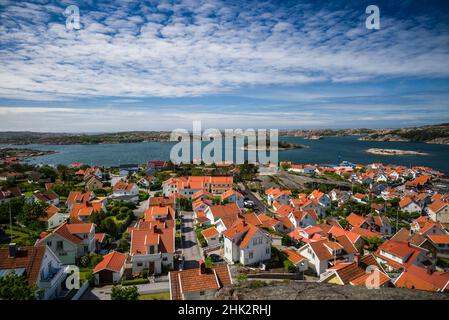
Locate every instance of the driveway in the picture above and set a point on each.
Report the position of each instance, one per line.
(190, 247)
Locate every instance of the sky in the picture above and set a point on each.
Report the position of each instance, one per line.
(159, 65)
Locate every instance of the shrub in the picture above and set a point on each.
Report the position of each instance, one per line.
(121, 293)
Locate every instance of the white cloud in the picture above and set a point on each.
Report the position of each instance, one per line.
(129, 53)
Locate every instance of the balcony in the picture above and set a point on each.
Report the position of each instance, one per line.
(52, 277)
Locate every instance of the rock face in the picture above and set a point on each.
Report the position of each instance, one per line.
(394, 152)
(291, 290)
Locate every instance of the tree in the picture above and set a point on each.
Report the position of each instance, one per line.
(14, 287)
(373, 243)
(124, 293)
(31, 213)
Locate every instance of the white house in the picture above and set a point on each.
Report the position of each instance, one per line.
(70, 241)
(324, 253)
(279, 196)
(54, 217)
(246, 244)
(39, 265)
(233, 196)
(212, 236)
(322, 198)
(303, 219)
(407, 204)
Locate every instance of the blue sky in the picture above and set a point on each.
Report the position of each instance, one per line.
(159, 65)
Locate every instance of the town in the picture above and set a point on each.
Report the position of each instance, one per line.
(159, 231)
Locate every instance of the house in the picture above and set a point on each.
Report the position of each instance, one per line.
(40, 266)
(370, 222)
(233, 196)
(200, 283)
(246, 244)
(159, 212)
(7, 194)
(47, 196)
(93, 183)
(126, 169)
(99, 241)
(294, 257)
(439, 211)
(54, 217)
(409, 205)
(70, 241)
(419, 183)
(81, 212)
(322, 198)
(153, 242)
(356, 272)
(360, 198)
(110, 270)
(212, 236)
(419, 278)
(327, 252)
(187, 186)
(441, 244)
(307, 234)
(125, 191)
(278, 195)
(161, 201)
(396, 255)
(303, 218)
(146, 182)
(216, 212)
(78, 197)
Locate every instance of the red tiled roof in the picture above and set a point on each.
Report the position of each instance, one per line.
(293, 256)
(113, 261)
(415, 277)
(211, 232)
(27, 257)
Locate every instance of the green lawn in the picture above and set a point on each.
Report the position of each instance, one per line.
(155, 296)
(22, 236)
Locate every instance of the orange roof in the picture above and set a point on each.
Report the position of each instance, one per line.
(437, 205)
(113, 261)
(248, 236)
(51, 211)
(293, 256)
(439, 239)
(285, 210)
(63, 231)
(28, 257)
(78, 228)
(415, 277)
(211, 232)
(194, 280)
(230, 193)
(229, 209)
(355, 220)
(405, 202)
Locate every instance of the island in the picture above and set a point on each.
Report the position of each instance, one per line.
(20, 153)
(395, 152)
(282, 145)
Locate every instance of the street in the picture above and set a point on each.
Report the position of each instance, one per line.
(189, 242)
(258, 205)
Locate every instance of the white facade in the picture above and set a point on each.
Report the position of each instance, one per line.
(257, 250)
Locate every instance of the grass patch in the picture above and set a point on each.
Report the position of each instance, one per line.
(155, 296)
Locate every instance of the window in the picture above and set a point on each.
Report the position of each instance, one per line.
(202, 293)
(59, 245)
(251, 255)
(267, 250)
(49, 243)
(164, 259)
(139, 264)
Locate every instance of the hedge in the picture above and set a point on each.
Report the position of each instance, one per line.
(134, 282)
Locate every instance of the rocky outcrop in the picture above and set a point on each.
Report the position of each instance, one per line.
(290, 290)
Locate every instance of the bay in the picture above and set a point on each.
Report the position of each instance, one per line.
(330, 150)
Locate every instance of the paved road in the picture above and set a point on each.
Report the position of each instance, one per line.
(258, 205)
(190, 247)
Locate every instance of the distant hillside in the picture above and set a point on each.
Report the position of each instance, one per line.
(23, 138)
(438, 134)
(316, 133)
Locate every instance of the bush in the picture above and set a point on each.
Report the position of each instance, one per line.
(289, 266)
(121, 293)
(134, 282)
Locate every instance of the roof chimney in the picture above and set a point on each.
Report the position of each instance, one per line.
(429, 270)
(357, 259)
(12, 250)
(202, 267)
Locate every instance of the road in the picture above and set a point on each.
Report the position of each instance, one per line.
(190, 247)
(258, 205)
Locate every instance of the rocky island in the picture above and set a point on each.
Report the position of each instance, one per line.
(282, 145)
(394, 152)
